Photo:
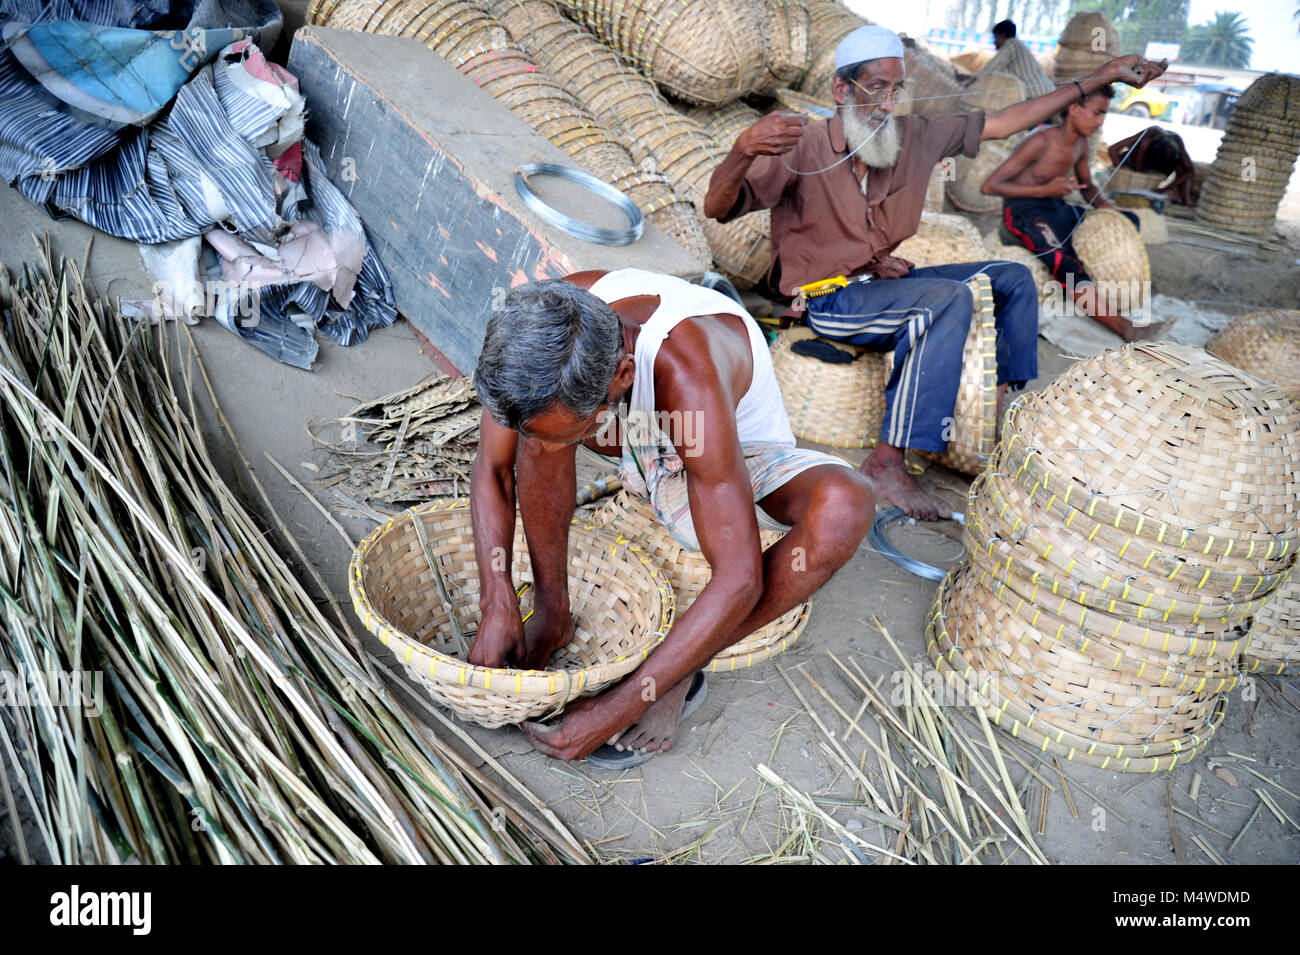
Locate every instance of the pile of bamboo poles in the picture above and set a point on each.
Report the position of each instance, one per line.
(230, 721)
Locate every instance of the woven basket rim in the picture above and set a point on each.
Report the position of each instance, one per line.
(444, 668)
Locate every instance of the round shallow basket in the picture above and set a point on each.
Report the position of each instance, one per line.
(1275, 632)
(994, 91)
(1155, 228)
(1265, 343)
(934, 188)
(632, 518)
(941, 239)
(971, 61)
(1046, 693)
(1124, 179)
(1043, 280)
(622, 605)
(1112, 251)
(785, 30)
(828, 24)
(703, 51)
(932, 87)
(964, 187)
(840, 405)
(1166, 443)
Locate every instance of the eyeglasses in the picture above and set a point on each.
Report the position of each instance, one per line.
(878, 97)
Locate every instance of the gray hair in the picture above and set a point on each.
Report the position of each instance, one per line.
(550, 343)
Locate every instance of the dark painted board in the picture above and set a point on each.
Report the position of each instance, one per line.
(428, 159)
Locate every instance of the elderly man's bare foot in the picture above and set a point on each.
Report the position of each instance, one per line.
(657, 729)
(885, 469)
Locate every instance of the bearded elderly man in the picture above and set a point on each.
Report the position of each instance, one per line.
(844, 193)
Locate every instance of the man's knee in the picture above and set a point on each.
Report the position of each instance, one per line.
(840, 512)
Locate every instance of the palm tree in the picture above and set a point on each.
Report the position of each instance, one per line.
(1223, 41)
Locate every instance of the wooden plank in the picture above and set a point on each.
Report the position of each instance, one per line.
(428, 160)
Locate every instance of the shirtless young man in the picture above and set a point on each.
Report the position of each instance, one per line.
(1035, 179)
(558, 358)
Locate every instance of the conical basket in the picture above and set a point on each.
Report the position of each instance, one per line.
(1265, 343)
(1112, 251)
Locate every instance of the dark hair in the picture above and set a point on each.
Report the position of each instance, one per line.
(1004, 28)
(1162, 155)
(850, 73)
(1106, 91)
(550, 343)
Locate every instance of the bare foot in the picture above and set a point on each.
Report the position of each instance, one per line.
(656, 730)
(541, 641)
(884, 468)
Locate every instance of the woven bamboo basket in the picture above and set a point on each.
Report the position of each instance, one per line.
(785, 30)
(1253, 166)
(688, 571)
(932, 87)
(725, 123)
(811, 107)
(1167, 443)
(836, 405)
(1076, 64)
(1124, 179)
(1043, 280)
(941, 239)
(1112, 251)
(1265, 343)
(622, 605)
(1155, 229)
(964, 188)
(1046, 692)
(1091, 32)
(828, 24)
(703, 51)
(975, 415)
(994, 91)
(1275, 632)
(971, 61)
(934, 188)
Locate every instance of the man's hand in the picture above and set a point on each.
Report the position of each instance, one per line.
(500, 638)
(1134, 70)
(774, 134)
(587, 725)
(891, 267)
(1060, 187)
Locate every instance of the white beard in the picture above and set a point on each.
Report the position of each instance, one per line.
(878, 148)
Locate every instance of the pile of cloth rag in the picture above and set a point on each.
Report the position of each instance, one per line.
(165, 124)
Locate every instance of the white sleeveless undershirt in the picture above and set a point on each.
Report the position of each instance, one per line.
(760, 414)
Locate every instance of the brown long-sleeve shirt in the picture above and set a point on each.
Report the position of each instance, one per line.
(822, 225)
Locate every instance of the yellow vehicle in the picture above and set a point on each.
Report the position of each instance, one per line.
(1146, 103)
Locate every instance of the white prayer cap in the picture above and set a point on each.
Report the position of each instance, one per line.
(867, 43)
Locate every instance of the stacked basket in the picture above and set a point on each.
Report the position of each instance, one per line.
(474, 41)
(1136, 516)
(932, 87)
(702, 51)
(828, 24)
(632, 518)
(1256, 157)
(1088, 41)
(1265, 343)
(1275, 632)
(622, 606)
(633, 110)
(785, 28)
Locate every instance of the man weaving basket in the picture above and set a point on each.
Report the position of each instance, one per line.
(844, 193)
(677, 381)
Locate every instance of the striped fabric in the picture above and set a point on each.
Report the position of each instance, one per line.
(201, 166)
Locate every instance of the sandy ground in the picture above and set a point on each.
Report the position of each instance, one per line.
(703, 801)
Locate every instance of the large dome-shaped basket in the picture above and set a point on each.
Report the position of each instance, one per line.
(621, 601)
